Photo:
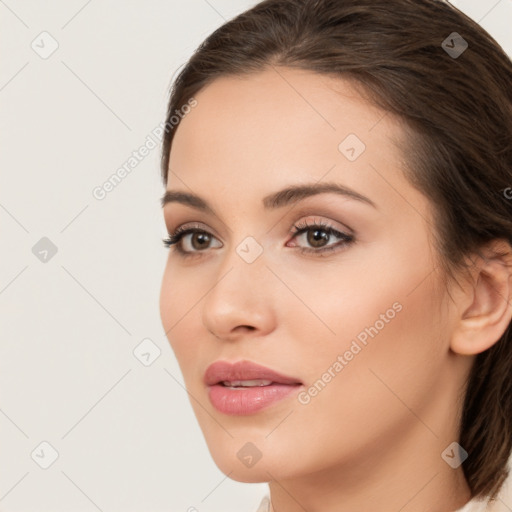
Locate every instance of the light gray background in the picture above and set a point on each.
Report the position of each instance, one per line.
(125, 434)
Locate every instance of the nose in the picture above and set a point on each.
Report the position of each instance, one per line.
(239, 303)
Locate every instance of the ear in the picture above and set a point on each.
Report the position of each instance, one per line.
(486, 306)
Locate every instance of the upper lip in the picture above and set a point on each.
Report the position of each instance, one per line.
(243, 370)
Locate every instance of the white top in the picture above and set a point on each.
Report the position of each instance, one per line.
(475, 506)
(471, 506)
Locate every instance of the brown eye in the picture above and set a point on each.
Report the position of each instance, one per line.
(199, 240)
(188, 246)
(318, 235)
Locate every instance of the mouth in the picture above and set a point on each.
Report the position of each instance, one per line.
(245, 383)
(245, 374)
(245, 387)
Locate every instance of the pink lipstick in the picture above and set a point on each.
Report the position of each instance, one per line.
(245, 387)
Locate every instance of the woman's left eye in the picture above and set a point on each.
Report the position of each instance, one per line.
(318, 234)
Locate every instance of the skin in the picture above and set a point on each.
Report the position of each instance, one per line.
(372, 438)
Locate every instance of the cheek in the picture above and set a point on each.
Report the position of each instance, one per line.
(180, 300)
(357, 412)
(383, 296)
(181, 291)
(387, 330)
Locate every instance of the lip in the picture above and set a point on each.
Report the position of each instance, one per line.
(244, 370)
(246, 400)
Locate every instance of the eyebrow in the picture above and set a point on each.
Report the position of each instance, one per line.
(275, 200)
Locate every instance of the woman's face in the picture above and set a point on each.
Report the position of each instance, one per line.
(360, 325)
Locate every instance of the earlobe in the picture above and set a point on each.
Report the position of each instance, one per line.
(489, 291)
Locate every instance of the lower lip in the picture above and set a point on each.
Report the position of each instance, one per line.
(247, 400)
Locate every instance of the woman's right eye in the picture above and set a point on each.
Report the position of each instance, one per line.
(177, 239)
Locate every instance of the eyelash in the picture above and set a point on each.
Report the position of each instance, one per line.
(174, 239)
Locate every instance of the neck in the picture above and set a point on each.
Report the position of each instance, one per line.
(410, 477)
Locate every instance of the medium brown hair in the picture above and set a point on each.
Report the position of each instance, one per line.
(457, 112)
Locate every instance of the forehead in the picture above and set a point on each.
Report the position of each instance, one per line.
(259, 132)
(280, 107)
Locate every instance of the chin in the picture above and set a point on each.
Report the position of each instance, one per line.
(232, 461)
(249, 476)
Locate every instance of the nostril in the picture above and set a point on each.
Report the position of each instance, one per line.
(246, 327)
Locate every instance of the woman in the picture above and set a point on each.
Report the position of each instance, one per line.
(338, 182)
